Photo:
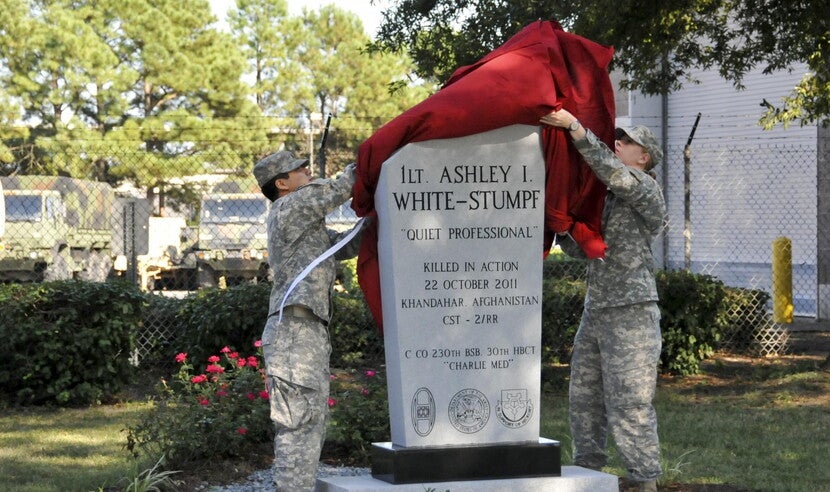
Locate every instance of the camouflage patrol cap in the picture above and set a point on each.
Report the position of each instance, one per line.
(647, 140)
(272, 165)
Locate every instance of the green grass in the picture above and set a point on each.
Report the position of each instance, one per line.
(752, 424)
(43, 450)
(756, 425)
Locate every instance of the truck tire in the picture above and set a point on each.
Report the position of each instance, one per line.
(98, 267)
(205, 277)
(60, 268)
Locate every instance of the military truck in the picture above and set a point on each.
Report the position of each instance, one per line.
(228, 246)
(232, 244)
(60, 228)
(166, 264)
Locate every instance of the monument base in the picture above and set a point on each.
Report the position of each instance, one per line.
(398, 465)
(572, 479)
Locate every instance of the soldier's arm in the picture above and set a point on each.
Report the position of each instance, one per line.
(631, 185)
(351, 249)
(325, 195)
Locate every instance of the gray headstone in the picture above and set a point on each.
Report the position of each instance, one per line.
(460, 225)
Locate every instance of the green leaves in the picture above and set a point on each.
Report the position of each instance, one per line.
(659, 46)
(213, 408)
(66, 343)
(689, 305)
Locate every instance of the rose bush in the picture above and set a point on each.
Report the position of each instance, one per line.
(221, 410)
(216, 411)
(358, 416)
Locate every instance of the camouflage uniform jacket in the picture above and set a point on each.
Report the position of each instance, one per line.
(634, 213)
(297, 234)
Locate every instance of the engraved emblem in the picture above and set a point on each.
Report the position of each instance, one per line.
(469, 411)
(514, 409)
(423, 412)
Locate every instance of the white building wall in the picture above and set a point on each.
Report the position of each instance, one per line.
(748, 186)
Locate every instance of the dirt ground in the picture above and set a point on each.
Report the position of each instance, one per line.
(809, 342)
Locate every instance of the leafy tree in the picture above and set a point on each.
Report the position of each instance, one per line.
(659, 44)
(318, 63)
(116, 90)
(268, 38)
(11, 132)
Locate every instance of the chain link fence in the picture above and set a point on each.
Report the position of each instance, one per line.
(175, 229)
(741, 199)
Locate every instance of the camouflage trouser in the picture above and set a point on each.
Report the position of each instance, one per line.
(296, 353)
(613, 381)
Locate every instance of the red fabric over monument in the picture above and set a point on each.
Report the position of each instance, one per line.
(540, 69)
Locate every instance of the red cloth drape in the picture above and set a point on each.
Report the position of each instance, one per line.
(540, 69)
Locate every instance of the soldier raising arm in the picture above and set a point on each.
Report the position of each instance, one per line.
(295, 340)
(617, 347)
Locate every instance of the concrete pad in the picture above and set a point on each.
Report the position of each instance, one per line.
(573, 479)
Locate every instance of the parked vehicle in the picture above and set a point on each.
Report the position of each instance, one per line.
(233, 241)
(227, 247)
(60, 228)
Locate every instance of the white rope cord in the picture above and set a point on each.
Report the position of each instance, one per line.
(334, 249)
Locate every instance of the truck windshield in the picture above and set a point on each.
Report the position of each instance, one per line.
(234, 210)
(23, 208)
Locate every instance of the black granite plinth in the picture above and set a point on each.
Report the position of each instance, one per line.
(400, 465)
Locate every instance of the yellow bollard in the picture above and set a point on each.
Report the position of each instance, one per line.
(782, 280)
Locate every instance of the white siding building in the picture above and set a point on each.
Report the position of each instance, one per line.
(747, 186)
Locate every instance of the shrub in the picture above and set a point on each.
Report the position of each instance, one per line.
(690, 307)
(213, 412)
(358, 415)
(66, 342)
(355, 340)
(695, 310)
(213, 318)
(562, 302)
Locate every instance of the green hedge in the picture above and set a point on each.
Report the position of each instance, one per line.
(215, 318)
(691, 307)
(562, 300)
(71, 342)
(66, 342)
(697, 311)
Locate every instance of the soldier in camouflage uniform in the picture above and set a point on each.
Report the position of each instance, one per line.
(296, 347)
(617, 347)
